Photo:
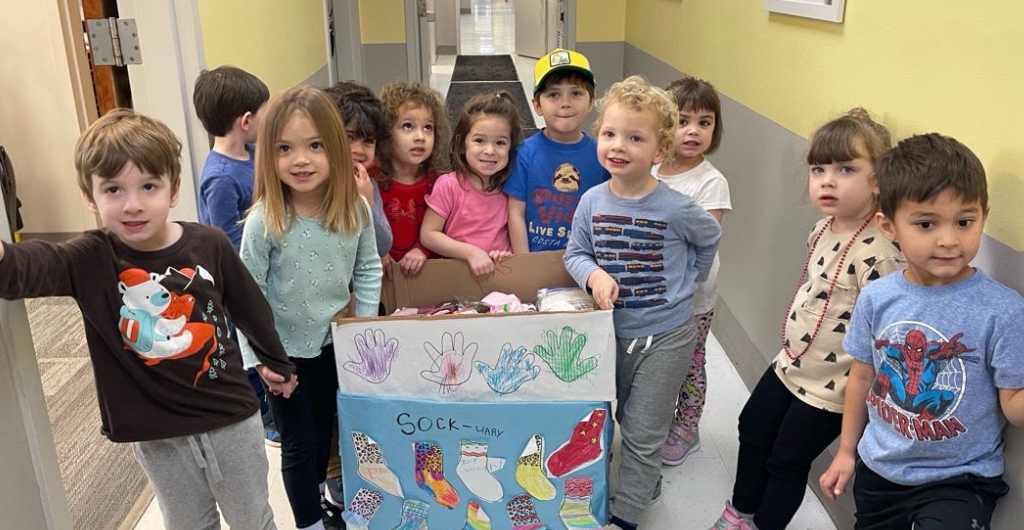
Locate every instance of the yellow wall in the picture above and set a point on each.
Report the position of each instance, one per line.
(381, 21)
(919, 65)
(282, 43)
(600, 20)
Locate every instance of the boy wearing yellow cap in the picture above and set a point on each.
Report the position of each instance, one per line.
(555, 167)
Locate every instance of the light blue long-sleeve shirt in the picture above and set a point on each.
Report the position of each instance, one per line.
(657, 248)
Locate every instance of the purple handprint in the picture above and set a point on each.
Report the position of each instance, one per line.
(452, 363)
(514, 367)
(376, 352)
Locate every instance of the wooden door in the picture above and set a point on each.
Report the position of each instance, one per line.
(110, 83)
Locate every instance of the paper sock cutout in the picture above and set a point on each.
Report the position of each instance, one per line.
(430, 474)
(472, 469)
(523, 514)
(575, 509)
(495, 464)
(362, 508)
(584, 447)
(372, 466)
(528, 471)
(414, 515)
(476, 519)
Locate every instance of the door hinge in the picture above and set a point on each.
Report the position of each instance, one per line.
(114, 41)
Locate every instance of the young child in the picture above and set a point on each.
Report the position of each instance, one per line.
(307, 238)
(937, 366)
(795, 411)
(554, 168)
(667, 245)
(407, 167)
(155, 295)
(699, 133)
(468, 213)
(229, 102)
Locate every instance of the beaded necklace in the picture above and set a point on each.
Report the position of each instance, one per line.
(831, 285)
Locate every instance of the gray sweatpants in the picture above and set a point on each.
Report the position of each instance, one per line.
(192, 475)
(647, 378)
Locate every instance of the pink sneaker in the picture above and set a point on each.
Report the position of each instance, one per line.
(730, 520)
(681, 442)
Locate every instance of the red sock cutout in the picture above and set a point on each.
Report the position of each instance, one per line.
(585, 446)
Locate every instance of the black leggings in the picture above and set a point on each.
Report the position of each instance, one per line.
(779, 438)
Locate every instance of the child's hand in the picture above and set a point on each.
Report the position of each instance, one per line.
(498, 256)
(276, 382)
(2, 251)
(833, 481)
(386, 262)
(412, 261)
(363, 183)
(480, 262)
(603, 288)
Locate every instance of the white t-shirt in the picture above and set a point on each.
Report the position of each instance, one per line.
(710, 190)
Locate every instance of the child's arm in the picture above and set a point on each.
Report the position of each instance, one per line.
(517, 226)
(38, 268)
(855, 419)
(367, 273)
(580, 261)
(381, 226)
(703, 233)
(1011, 400)
(433, 237)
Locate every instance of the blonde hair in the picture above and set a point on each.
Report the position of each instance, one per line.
(637, 95)
(122, 136)
(398, 93)
(342, 208)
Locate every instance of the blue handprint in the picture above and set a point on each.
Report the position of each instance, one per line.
(514, 367)
(376, 352)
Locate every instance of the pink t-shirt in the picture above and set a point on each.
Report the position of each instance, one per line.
(471, 216)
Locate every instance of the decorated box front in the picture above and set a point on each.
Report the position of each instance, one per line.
(454, 465)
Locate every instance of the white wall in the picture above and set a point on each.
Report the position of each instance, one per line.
(38, 124)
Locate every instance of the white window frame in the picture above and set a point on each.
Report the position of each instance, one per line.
(827, 10)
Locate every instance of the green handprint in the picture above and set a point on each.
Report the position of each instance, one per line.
(562, 353)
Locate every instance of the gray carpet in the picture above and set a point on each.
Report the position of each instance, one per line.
(458, 93)
(484, 68)
(101, 479)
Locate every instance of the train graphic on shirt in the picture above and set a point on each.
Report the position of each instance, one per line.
(629, 249)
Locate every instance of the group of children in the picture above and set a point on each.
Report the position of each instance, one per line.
(892, 342)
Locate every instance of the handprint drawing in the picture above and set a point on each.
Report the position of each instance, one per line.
(562, 353)
(452, 363)
(376, 353)
(513, 368)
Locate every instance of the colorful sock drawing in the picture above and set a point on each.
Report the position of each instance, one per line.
(584, 446)
(414, 515)
(529, 473)
(372, 466)
(362, 508)
(575, 508)
(472, 469)
(476, 519)
(513, 368)
(376, 353)
(430, 474)
(523, 513)
(452, 364)
(562, 353)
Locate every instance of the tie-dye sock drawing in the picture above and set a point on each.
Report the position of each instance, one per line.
(414, 515)
(476, 519)
(529, 473)
(372, 466)
(472, 469)
(584, 446)
(562, 353)
(452, 363)
(362, 508)
(575, 508)
(430, 474)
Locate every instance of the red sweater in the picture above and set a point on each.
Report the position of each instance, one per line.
(404, 206)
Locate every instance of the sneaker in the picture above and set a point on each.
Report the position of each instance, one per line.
(334, 494)
(730, 520)
(331, 515)
(681, 443)
(271, 437)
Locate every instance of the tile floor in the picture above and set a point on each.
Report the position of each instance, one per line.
(694, 492)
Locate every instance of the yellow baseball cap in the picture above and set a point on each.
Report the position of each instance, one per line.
(560, 59)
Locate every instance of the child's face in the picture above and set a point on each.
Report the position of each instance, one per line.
(412, 135)
(693, 135)
(363, 150)
(939, 237)
(134, 206)
(627, 142)
(845, 190)
(302, 162)
(564, 107)
(487, 145)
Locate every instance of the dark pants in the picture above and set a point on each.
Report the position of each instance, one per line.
(779, 438)
(305, 421)
(963, 502)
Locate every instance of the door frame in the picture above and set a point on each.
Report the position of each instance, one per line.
(346, 63)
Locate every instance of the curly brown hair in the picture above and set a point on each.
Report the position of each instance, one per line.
(398, 93)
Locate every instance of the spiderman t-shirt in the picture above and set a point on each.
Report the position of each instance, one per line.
(940, 355)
